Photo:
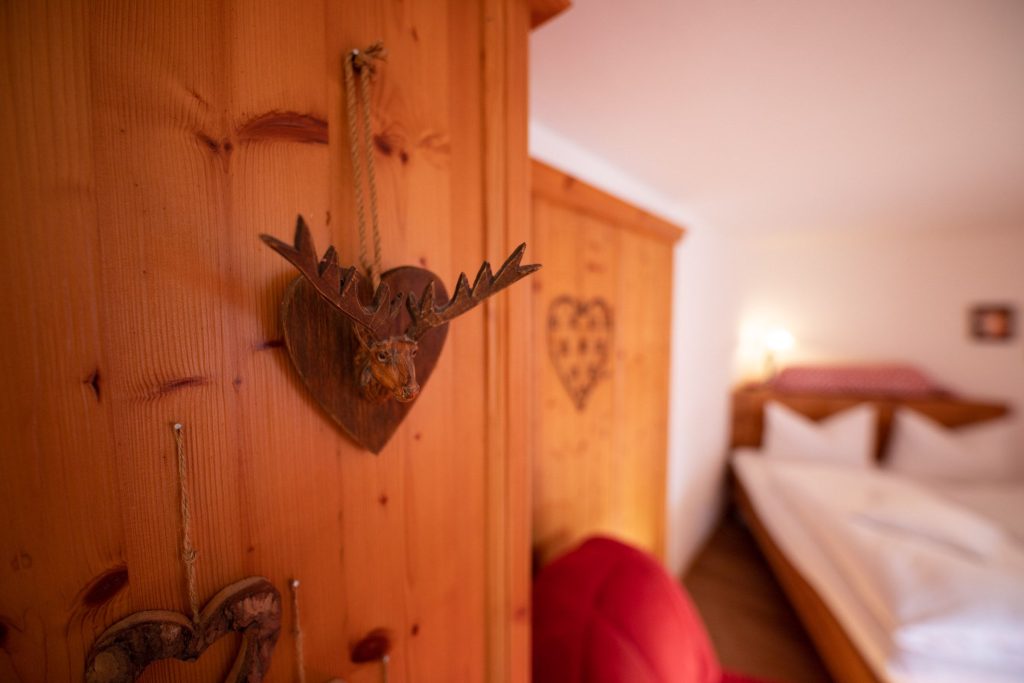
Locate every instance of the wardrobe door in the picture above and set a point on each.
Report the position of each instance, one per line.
(602, 321)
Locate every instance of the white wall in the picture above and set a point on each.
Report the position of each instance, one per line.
(889, 295)
(705, 327)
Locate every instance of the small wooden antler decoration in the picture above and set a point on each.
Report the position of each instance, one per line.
(251, 606)
(387, 350)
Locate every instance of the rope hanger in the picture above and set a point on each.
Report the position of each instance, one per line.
(188, 551)
(360, 64)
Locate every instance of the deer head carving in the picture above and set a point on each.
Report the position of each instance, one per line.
(386, 367)
(385, 363)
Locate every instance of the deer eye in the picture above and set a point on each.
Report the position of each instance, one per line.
(382, 356)
(413, 353)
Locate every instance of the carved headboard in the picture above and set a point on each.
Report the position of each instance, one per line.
(748, 411)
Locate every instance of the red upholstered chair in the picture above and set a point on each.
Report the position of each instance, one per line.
(609, 613)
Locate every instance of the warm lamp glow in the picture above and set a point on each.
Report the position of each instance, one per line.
(778, 339)
(763, 340)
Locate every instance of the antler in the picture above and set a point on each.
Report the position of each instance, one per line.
(339, 286)
(426, 316)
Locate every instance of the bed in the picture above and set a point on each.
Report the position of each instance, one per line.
(825, 574)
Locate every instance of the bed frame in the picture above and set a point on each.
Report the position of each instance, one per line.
(844, 661)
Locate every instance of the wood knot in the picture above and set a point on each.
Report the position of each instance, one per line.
(381, 142)
(284, 126)
(93, 382)
(372, 647)
(104, 587)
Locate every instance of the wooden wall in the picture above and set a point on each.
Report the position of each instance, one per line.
(601, 468)
(143, 147)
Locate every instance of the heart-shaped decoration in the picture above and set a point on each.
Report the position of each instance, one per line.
(251, 606)
(580, 344)
(323, 346)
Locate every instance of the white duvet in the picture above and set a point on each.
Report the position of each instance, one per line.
(943, 581)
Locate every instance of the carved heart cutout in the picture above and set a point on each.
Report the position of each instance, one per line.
(323, 347)
(251, 606)
(580, 344)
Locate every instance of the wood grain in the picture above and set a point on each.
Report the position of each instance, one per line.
(506, 208)
(602, 469)
(142, 150)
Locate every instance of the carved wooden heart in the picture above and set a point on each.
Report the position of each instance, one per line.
(251, 606)
(323, 346)
(580, 344)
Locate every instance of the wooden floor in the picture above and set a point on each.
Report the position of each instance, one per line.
(753, 627)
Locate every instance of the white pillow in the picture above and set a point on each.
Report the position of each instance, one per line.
(923, 448)
(847, 438)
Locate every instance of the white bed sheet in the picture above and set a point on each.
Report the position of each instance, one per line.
(796, 540)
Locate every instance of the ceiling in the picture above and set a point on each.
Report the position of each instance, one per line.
(796, 114)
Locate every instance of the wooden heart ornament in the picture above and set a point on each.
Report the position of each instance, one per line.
(251, 606)
(580, 344)
(324, 346)
(365, 353)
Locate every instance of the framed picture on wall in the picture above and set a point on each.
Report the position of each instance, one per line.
(992, 322)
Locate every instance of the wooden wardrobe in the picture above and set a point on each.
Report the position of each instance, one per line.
(143, 149)
(602, 326)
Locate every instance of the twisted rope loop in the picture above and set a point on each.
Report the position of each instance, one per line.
(361, 65)
(300, 657)
(188, 552)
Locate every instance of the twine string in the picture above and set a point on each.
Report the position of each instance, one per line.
(360, 64)
(300, 656)
(371, 175)
(188, 552)
(350, 102)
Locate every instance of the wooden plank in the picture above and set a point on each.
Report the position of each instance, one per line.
(63, 522)
(506, 215)
(600, 468)
(576, 485)
(159, 123)
(420, 550)
(643, 325)
(567, 190)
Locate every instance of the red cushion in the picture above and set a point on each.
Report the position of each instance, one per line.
(609, 613)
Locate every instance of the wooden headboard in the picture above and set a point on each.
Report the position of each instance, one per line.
(748, 411)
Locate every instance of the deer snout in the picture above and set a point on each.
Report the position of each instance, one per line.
(408, 392)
